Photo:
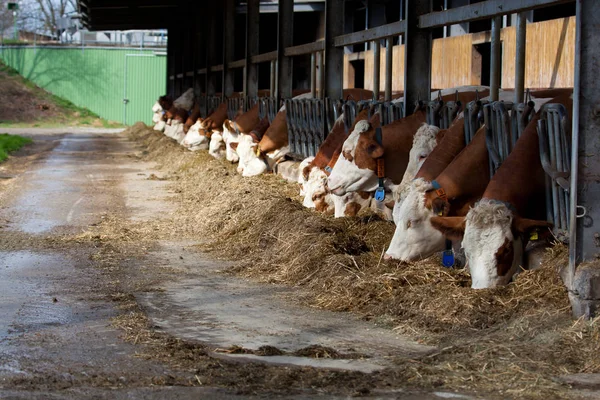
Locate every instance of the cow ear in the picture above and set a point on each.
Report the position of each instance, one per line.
(440, 135)
(524, 225)
(451, 227)
(227, 125)
(375, 150)
(440, 207)
(390, 204)
(233, 145)
(306, 172)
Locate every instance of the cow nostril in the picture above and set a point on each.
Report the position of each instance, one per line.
(387, 257)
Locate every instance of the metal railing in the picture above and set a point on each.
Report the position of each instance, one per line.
(555, 153)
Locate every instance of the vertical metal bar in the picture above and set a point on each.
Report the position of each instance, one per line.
(285, 38)
(273, 75)
(376, 69)
(520, 58)
(417, 56)
(228, 45)
(334, 56)
(584, 283)
(320, 75)
(313, 75)
(170, 70)
(252, 47)
(496, 59)
(389, 58)
(211, 80)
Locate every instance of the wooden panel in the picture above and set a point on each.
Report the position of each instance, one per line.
(451, 62)
(549, 57)
(398, 68)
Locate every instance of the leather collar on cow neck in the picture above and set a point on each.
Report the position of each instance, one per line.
(380, 191)
(448, 253)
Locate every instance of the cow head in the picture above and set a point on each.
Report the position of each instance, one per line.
(302, 176)
(414, 238)
(166, 102)
(425, 140)
(250, 164)
(156, 108)
(216, 148)
(230, 136)
(315, 191)
(493, 240)
(193, 139)
(350, 204)
(356, 166)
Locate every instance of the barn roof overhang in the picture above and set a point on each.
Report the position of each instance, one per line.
(158, 14)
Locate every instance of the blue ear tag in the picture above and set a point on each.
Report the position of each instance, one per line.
(380, 194)
(448, 258)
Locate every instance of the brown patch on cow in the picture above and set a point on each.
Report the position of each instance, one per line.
(390, 204)
(364, 195)
(348, 155)
(352, 209)
(504, 257)
(306, 172)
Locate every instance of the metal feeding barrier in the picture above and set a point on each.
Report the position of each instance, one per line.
(212, 103)
(555, 153)
(473, 118)
(268, 107)
(202, 105)
(504, 124)
(389, 111)
(306, 126)
(234, 104)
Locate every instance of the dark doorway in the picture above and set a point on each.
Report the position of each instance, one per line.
(359, 73)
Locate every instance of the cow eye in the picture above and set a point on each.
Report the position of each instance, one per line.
(422, 156)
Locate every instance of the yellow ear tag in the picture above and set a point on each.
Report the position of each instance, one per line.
(257, 151)
(441, 213)
(533, 235)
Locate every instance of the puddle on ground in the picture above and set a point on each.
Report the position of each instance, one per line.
(225, 311)
(26, 303)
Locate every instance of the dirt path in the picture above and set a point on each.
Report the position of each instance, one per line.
(73, 303)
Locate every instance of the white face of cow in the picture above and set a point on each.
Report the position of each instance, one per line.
(423, 144)
(216, 148)
(156, 108)
(230, 137)
(414, 238)
(194, 140)
(488, 240)
(249, 163)
(315, 188)
(160, 126)
(346, 176)
(301, 180)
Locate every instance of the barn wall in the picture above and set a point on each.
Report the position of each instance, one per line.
(95, 78)
(549, 59)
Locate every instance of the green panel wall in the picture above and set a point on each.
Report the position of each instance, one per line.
(95, 78)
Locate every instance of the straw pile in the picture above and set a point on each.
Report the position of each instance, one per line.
(515, 337)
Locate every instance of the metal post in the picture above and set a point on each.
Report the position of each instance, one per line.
(273, 75)
(376, 69)
(252, 47)
(496, 59)
(313, 75)
(285, 38)
(583, 283)
(228, 45)
(211, 43)
(389, 52)
(520, 58)
(170, 67)
(417, 56)
(334, 56)
(320, 75)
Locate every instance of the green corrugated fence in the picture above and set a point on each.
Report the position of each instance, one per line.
(98, 79)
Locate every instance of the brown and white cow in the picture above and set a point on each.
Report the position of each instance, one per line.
(495, 231)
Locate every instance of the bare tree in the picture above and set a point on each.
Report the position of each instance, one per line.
(51, 10)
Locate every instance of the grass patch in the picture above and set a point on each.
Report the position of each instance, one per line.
(10, 143)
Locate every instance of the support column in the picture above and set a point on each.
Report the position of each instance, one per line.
(285, 38)
(376, 69)
(584, 249)
(520, 60)
(334, 57)
(170, 89)
(389, 56)
(178, 62)
(252, 48)
(417, 56)
(211, 43)
(313, 75)
(228, 45)
(496, 58)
